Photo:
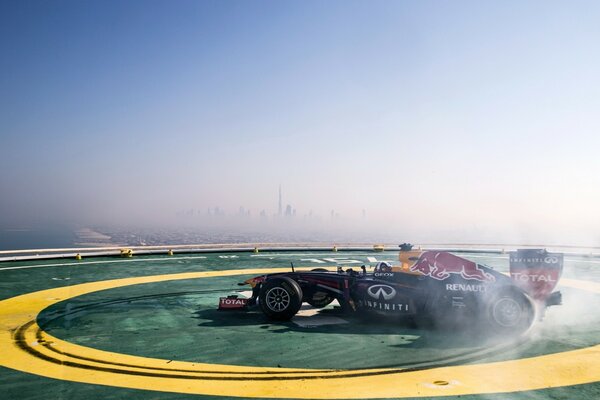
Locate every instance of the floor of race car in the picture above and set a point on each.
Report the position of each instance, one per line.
(147, 327)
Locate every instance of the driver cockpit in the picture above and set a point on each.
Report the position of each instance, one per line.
(383, 266)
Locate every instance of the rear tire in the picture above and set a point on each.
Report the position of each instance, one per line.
(280, 298)
(510, 311)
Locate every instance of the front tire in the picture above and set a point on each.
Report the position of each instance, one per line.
(320, 300)
(280, 298)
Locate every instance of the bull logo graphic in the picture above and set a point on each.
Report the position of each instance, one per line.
(440, 265)
(381, 291)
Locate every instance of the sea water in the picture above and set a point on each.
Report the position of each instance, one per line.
(35, 237)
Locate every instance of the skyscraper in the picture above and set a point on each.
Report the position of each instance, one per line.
(280, 210)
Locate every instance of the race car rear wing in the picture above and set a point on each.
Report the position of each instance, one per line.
(537, 272)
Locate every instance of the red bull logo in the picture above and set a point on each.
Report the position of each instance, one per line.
(440, 265)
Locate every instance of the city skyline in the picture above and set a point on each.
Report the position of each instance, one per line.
(217, 213)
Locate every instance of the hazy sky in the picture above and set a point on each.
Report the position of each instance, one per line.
(477, 117)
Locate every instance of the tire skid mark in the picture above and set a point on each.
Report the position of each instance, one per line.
(22, 335)
(426, 364)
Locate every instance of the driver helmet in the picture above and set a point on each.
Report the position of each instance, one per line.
(385, 266)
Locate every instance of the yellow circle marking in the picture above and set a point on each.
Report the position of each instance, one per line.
(25, 347)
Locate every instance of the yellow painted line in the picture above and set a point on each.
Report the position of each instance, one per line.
(26, 348)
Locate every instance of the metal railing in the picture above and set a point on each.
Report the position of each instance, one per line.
(128, 251)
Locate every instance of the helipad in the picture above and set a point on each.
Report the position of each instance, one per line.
(146, 327)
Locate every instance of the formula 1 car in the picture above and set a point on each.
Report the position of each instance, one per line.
(432, 286)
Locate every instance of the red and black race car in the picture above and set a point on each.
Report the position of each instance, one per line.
(433, 286)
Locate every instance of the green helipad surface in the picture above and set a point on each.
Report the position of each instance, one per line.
(147, 327)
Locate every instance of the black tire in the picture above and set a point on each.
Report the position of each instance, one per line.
(280, 298)
(510, 311)
(320, 300)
